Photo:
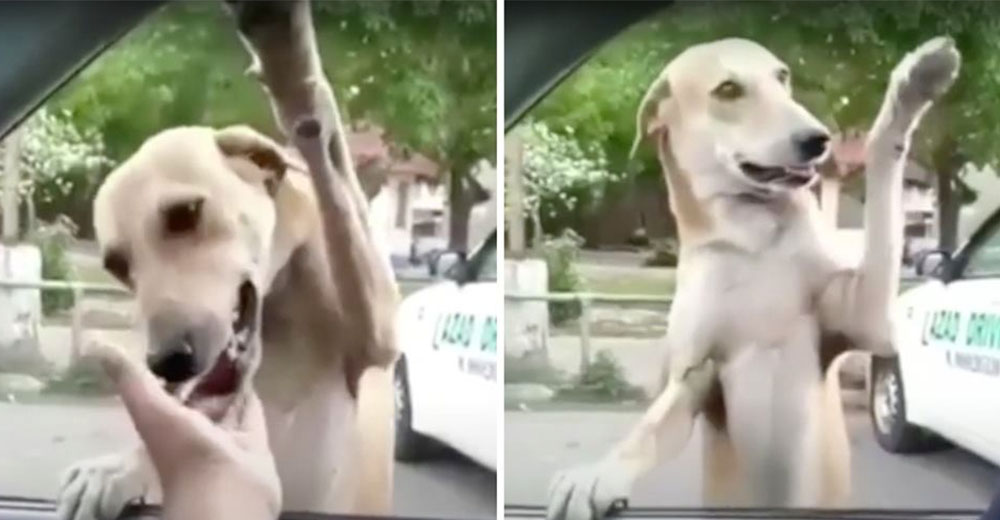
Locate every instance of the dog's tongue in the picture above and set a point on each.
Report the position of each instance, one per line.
(221, 380)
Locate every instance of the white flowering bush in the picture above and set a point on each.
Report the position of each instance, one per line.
(60, 166)
(57, 158)
(559, 171)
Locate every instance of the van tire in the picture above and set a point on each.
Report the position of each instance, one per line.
(410, 444)
(887, 412)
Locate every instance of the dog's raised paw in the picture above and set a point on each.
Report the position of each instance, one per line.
(98, 489)
(587, 492)
(926, 73)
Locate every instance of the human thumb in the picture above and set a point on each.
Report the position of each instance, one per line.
(163, 422)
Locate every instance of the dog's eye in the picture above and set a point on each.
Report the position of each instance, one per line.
(782, 76)
(117, 264)
(182, 216)
(728, 90)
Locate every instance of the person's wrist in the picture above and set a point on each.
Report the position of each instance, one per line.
(221, 495)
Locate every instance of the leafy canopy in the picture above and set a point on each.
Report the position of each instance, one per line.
(424, 70)
(840, 54)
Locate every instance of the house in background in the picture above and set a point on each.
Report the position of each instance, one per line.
(409, 195)
(841, 192)
(409, 204)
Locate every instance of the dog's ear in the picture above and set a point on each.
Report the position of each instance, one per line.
(650, 118)
(243, 142)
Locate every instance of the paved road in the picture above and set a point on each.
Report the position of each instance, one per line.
(538, 443)
(37, 441)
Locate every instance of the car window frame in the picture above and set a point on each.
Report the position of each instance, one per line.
(474, 266)
(986, 231)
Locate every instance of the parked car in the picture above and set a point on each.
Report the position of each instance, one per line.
(944, 381)
(446, 376)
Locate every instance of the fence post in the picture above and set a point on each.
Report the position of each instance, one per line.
(11, 171)
(76, 333)
(584, 333)
(515, 194)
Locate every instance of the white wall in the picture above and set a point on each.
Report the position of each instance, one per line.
(384, 207)
(526, 323)
(20, 309)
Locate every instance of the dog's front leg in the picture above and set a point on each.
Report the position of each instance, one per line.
(589, 492)
(281, 40)
(100, 488)
(858, 302)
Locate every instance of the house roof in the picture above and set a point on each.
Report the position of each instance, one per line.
(367, 146)
(416, 165)
(370, 150)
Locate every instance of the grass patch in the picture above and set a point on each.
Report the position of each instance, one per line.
(629, 280)
(603, 381)
(530, 368)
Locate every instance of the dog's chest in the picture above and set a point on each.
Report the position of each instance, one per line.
(753, 298)
(314, 446)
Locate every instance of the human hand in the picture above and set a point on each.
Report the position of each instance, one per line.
(206, 470)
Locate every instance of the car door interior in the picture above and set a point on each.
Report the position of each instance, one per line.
(67, 34)
(30, 509)
(546, 41)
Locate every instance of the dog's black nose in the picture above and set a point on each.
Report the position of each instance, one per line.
(175, 361)
(811, 144)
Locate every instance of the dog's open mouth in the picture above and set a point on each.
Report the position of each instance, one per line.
(213, 391)
(791, 176)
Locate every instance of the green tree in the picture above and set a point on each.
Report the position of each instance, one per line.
(423, 70)
(426, 70)
(840, 53)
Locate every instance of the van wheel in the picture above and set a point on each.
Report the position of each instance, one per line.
(887, 411)
(410, 445)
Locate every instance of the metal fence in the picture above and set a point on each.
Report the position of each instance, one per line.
(587, 300)
(80, 289)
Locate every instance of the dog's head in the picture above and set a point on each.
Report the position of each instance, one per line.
(723, 112)
(187, 223)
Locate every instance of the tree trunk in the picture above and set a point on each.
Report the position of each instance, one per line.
(460, 205)
(947, 163)
(11, 177)
(948, 206)
(515, 197)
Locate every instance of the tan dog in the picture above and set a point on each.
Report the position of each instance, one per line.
(220, 236)
(763, 306)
